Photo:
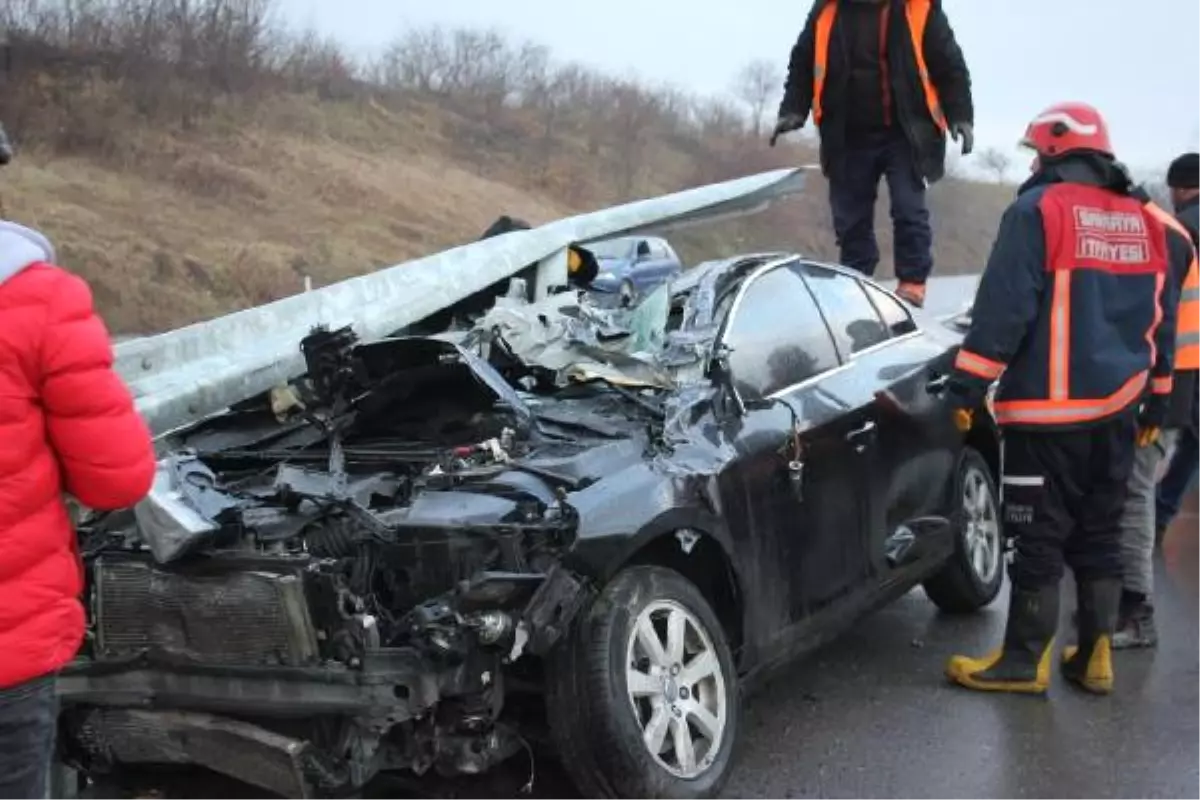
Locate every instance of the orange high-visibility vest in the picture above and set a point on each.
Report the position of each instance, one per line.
(1187, 323)
(917, 15)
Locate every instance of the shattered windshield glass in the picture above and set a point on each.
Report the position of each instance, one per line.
(577, 342)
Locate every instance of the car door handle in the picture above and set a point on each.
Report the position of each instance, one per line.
(937, 384)
(858, 433)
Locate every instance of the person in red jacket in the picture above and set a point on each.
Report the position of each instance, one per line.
(67, 425)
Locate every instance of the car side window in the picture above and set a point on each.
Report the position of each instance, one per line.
(657, 250)
(777, 336)
(852, 319)
(895, 315)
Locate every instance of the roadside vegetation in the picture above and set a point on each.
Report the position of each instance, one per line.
(193, 157)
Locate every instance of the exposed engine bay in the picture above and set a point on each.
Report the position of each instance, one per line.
(352, 572)
(363, 553)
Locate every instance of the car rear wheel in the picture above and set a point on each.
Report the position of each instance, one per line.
(972, 577)
(643, 698)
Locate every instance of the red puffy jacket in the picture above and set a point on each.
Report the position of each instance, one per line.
(67, 424)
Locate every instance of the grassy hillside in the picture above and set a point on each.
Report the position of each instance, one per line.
(222, 180)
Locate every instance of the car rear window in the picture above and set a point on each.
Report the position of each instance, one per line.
(895, 315)
(855, 323)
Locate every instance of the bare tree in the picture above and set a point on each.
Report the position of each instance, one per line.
(756, 85)
(996, 161)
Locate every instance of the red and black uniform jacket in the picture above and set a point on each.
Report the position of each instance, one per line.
(1075, 313)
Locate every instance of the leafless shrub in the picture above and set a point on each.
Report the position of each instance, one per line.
(757, 84)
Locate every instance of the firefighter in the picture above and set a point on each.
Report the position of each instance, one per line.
(885, 81)
(1075, 317)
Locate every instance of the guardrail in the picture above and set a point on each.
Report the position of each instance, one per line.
(185, 374)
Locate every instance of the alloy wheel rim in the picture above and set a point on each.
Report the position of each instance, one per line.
(676, 688)
(981, 523)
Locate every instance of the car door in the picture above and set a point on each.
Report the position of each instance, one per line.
(897, 373)
(793, 490)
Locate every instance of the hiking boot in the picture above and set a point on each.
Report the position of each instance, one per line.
(1136, 628)
(1022, 663)
(912, 292)
(1088, 665)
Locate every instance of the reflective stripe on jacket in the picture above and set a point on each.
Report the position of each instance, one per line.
(917, 16)
(1075, 313)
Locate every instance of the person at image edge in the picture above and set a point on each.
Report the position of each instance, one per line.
(67, 425)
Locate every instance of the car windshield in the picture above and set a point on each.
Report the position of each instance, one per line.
(611, 248)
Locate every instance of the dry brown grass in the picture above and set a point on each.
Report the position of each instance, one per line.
(172, 226)
(200, 227)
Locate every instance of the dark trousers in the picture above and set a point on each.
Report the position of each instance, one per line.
(1063, 493)
(28, 716)
(853, 187)
(1181, 472)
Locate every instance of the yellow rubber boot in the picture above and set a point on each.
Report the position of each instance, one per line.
(1022, 664)
(1089, 664)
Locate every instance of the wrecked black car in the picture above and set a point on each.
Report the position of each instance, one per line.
(620, 518)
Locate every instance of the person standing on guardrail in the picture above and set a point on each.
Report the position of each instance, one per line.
(1135, 625)
(885, 81)
(67, 425)
(1075, 316)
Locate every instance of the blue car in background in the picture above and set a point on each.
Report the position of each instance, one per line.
(632, 266)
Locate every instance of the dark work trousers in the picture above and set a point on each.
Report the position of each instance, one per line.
(853, 187)
(1063, 493)
(28, 717)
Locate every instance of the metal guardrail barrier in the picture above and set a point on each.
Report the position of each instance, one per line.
(185, 374)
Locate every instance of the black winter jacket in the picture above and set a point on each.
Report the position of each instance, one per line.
(947, 70)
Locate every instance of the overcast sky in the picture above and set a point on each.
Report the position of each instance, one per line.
(1137, 62)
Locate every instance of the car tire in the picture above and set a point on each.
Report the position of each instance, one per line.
(598, 724)
(626, 294)
(973, 575)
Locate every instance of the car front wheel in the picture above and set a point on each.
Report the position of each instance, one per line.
(643, 697)
(973, 575)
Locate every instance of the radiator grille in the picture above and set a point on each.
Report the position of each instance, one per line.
(247, 753)
(226, 618)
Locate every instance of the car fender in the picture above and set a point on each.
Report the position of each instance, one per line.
(625, 512)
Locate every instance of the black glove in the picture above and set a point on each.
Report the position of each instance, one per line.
(966, 132)
(6, 152)
(786, 124)
(1154, 411)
